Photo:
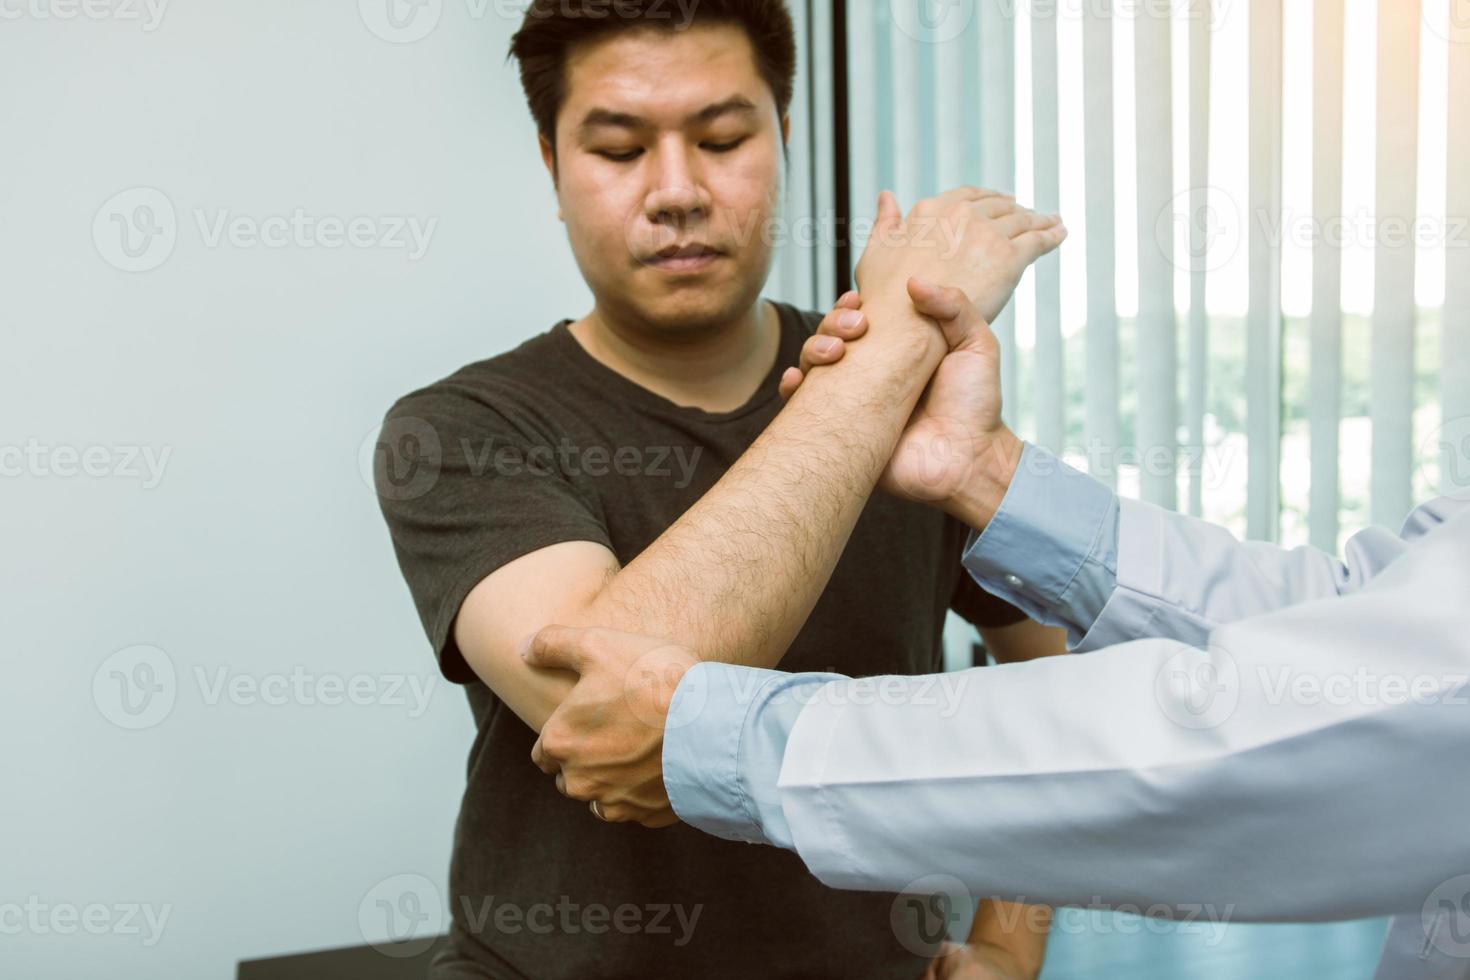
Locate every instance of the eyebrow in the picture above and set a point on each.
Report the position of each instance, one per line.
(735, 105)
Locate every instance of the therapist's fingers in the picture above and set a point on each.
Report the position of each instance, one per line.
(543, 761)
(958, 318)
(791, 379)
(563, 647)
(660, 819)
(819, 350)
(844, 322)
(816, 352)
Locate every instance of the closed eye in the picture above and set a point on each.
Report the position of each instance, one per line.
(725, 147)
(625, 157)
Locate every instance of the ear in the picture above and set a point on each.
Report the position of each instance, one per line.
(548, 159)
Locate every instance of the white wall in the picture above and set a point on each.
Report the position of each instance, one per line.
(259, 371)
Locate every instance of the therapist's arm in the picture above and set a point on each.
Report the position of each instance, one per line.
(1299, 769)
(1064, 548)
(1294, 770)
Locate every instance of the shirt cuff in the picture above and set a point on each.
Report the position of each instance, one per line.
(724, 742)
(1051, 549)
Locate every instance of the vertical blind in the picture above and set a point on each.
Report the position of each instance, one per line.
(1206, 339)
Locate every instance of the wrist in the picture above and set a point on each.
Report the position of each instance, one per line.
(900, 338)
(987, 479)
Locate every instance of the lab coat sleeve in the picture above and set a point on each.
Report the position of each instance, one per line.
(1180, 577)
(1306, 764)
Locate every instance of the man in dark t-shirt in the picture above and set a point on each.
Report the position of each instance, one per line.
(635, 468)
(543, 445)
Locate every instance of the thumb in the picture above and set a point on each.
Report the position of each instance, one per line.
(940, 302)
(555, 647)
(889, 215)
(950, 307)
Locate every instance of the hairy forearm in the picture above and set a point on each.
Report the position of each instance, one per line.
(736, 576)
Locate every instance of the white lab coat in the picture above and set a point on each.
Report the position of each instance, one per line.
(1291, 742)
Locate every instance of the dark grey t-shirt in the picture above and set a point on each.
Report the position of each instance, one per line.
(545, 444)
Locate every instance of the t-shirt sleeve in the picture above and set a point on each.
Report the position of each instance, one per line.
(975, 604)
(464, 491)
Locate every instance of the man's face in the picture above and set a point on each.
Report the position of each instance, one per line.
(669, 175)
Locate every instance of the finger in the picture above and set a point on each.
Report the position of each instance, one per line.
(889, 216)
(965, 192)
(561, 783)
(936, 301)
(660, 819)
(844, 323)
(958, 318)
(561, 647)
(791, 379)
(619, 813)
(543, 761)
(849, 300)
(1023, 220)
(1035, 244)
(996, 206)
(819, 350)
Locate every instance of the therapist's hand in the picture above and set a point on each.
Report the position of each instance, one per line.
(955, 453)
(975, 961)
(605, 741)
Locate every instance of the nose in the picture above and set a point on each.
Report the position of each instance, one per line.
(677, 194)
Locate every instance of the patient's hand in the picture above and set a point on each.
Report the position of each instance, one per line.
(976, 239)
(605, 741)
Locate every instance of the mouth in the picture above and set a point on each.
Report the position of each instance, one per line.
(689, 257)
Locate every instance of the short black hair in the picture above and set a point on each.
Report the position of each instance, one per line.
(552, 27)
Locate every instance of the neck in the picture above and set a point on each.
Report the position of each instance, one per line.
(717, 370)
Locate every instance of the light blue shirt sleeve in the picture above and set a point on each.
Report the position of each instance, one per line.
(724, 740)
(1051, 550)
